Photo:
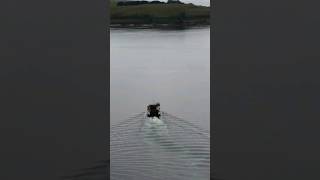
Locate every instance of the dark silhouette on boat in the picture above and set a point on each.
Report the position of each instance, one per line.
(153, 110)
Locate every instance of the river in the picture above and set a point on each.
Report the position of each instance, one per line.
(167, 66)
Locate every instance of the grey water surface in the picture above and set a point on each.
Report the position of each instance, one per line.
(172, 67)
(141, 148)
(169, 66)
(159, 149)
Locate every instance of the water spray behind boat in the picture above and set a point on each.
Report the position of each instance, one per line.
(154, 123)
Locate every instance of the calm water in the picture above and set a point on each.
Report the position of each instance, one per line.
(172, 67)
(169, 66)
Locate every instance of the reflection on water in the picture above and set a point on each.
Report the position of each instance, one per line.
(153, 149)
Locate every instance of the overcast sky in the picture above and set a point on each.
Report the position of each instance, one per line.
(198, 2)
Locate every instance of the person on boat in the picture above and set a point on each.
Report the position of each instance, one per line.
(153, 110)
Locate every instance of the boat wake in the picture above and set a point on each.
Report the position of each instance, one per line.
(155, 126)
(143, 148)
(160, 148)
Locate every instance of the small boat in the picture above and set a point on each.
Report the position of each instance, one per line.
(153, 110)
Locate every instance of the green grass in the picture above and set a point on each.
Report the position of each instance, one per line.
(160, 13)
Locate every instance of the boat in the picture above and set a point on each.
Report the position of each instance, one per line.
(153, 110)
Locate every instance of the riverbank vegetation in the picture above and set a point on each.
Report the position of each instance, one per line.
(159, 14)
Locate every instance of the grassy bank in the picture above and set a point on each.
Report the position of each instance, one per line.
(159, 14)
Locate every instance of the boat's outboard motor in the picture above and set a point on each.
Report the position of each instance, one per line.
(153, 110)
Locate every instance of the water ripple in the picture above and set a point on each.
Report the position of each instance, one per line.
(166, 149)
(151, 149)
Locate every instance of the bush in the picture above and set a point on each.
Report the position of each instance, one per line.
(175, 2)
(157, 2)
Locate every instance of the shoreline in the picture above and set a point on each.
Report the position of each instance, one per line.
(159, 16)
(158, 26)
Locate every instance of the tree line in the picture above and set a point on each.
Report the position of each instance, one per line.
(132, 3)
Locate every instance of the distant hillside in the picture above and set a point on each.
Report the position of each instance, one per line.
(159, 14)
